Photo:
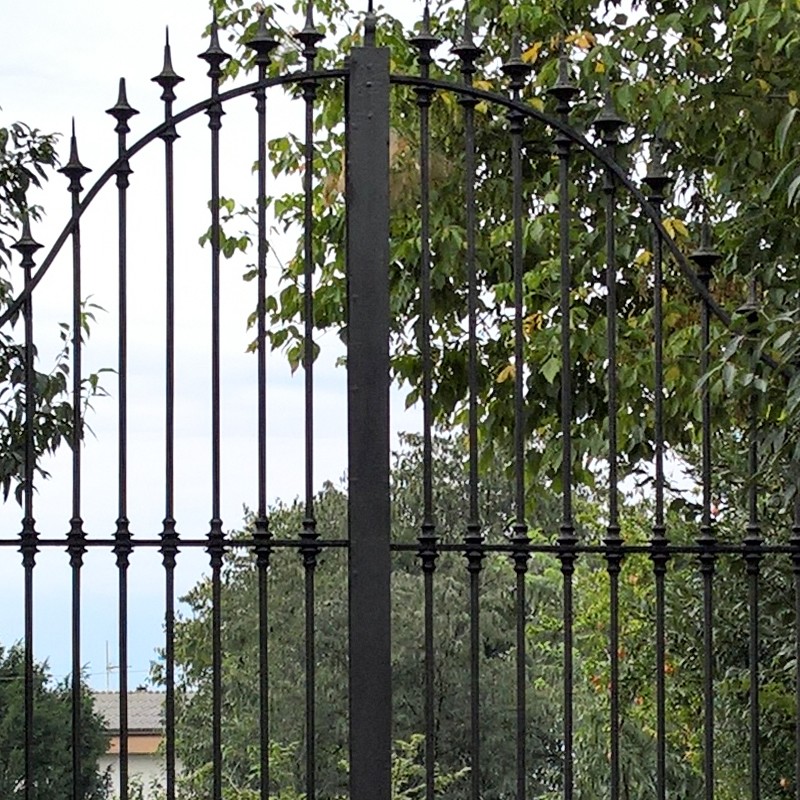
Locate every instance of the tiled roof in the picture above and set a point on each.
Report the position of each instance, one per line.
(145, 710)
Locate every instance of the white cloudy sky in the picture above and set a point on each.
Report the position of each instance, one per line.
(61, 60)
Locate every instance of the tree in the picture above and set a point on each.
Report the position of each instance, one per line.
(27, 157)
(52, 723)
(544, 619)
(716, 80)
(287, 664)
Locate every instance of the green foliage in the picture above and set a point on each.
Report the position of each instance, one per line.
(717, 80)
(52, 721)
(543, 609)
(26, 157)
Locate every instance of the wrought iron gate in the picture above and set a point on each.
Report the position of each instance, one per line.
(370, 547)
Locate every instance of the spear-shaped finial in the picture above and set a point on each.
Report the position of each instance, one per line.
(515, 67)
(425, 41)
(310, 36)
(123, 110)
(656, 178)
(563, 90)
(749, 309)
(167, 79)
(73, 169)
(466, 49)
(705, 256)
(26, 245)
(263, 42)
(214, 55)
(608, 121)
(370, 25)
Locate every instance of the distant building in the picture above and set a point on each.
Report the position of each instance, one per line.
(145, 734)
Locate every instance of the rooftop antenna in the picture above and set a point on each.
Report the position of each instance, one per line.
(109, 667)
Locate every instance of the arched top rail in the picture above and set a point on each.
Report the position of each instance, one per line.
(440, 85)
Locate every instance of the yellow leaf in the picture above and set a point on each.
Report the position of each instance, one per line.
(583, 40)
(482, 108)
(643, 259)
(508, 373)
(599, 67)
(763, 85)
(675, 228)
(534, 322)
(532, 53)
(793, 97)
(537, 103)
(486, 86)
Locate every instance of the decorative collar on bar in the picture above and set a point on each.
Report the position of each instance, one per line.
(608, 121)
(370, 25)
(425, 41)
(466, 49)
(310, 36)
(26, 245)
(515, 68)
(122, 111)
(73, 169)
(657, 179)
(214, 55)
(263, 42)
(167, 79)
(564, 89)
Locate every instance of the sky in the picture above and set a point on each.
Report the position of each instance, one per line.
(65, 61)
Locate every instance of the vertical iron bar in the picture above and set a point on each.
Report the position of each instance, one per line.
(795, 544)
(215, 57)
(74, 171)
(469, 52)
(706, 257)
(26, 247)
(564, 92)
(753, 554)
(608, 123)
(425, 43)
(368, 423)
(659, 541)
(263, 44)
(122, 112)
(517, 70)
(168, 79)
(309, 38)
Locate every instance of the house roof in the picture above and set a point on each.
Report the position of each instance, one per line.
(145, 710)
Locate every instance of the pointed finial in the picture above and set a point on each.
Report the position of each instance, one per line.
(214, 55)
(263, 42)
(656, 178)
(73, 169)
(310, 36)
(26, 245)
(749, 309)
(370, 25)
(515, 67)
(167, 79)
(466, 49)
(563, 90)
(425, 41)
(122, 111)
(608, 122)
(705, 256)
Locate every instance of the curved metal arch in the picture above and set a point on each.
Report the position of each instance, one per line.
(528, 111)
(602, 157)
(139, 145)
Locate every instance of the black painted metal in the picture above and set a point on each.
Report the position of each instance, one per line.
(369, 546)
(368, 422)
(122, 112)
